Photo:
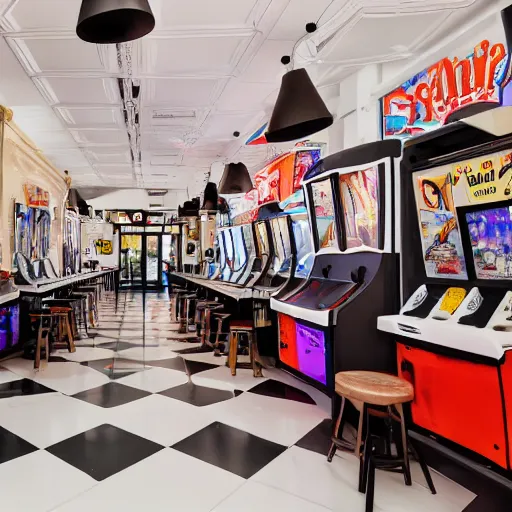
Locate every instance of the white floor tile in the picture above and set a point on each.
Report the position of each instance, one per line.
(7, 376)
(67, 378)
(160, 419)
(155, 379)
(221, 378)
(205, 357)
(85, 354)
(309, 475)
(147, 353)
(256, 497)
(281, 421)
(169, 480)
(46, 419)
(39, 482)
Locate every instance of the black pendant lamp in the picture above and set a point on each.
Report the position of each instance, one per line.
(299, 110)
(114, 21)
(235, 180)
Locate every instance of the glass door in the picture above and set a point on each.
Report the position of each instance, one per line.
(131, 260)
(141, 261)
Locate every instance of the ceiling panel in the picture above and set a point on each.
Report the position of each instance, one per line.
(109, 155)
(104, 117)
(222, 126)
(177, 92)
(216, 13)
(59, 54)
(80, 90)
(100, 136)
(115, 169)
(187, 55)
(244, 96)
(355, 43)
(45, 14)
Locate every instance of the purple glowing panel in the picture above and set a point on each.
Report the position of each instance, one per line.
(9, 327)
(311, 352)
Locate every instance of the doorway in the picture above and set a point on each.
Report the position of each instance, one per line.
(141, 260)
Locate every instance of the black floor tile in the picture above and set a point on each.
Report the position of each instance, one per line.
(104, 451)
(22, 387)
(115, 368)
(490, 503)
(12, 446)
(58, 359)
(277, 389)
(117, 345)
(194, 367)
(198, 395)
(111, 395)
(231, 449)
(319, 439)
(176, 363)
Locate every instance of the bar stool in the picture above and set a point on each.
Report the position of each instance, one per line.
(82, 301)
(386, 393)
(237, 330)
(221, 317)
(175, 302)
(44, 317)
(60, 320)
(91, 303)
(74, 304)
(186, 302)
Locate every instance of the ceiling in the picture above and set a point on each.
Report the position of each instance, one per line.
(156, 113)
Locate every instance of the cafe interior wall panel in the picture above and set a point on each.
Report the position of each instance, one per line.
(22, 163)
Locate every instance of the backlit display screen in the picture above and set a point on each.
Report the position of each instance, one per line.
(282, 246)
(305, 252)
(240, 253)
(9, 327)
(490, 232)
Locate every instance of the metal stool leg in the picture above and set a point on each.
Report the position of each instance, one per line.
(233, 351)
(335, 434)
(405, 448)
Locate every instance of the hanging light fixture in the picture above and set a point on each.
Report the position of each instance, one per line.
(299, 110)
(235, 180)
(114, 21)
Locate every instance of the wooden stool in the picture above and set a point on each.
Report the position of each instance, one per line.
(221, 317)
(384, 391)
(43, 334)
(236, 330)
(60, 314)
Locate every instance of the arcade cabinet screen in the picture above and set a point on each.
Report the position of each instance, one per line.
(283, 250)
(225, 270)
(261, 234)
(360, 196)
(324, 213)
(490, 232)
(440, 235)
(304, 248)
(240, 259)
(9, 327)
(248, 238)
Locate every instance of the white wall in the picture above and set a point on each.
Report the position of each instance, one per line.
(136, 199)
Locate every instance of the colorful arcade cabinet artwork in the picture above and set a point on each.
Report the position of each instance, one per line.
(454, 332)
(327, 323)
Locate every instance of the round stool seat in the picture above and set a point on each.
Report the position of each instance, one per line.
(374, 388)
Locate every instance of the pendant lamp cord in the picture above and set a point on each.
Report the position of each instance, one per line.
(292, 57)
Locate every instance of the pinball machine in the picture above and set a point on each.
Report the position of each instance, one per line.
(454, 333)
(328, 322)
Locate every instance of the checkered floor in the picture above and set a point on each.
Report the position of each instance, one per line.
(127, 425)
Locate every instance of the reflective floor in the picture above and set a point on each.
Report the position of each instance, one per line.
(128, 424)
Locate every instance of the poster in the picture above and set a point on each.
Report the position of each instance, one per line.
(35, 196)
(439, 230)
(425, 101)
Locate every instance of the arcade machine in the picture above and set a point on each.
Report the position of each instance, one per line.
(329, 324)
(72, 243)
(207, 220)
(454, 333)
